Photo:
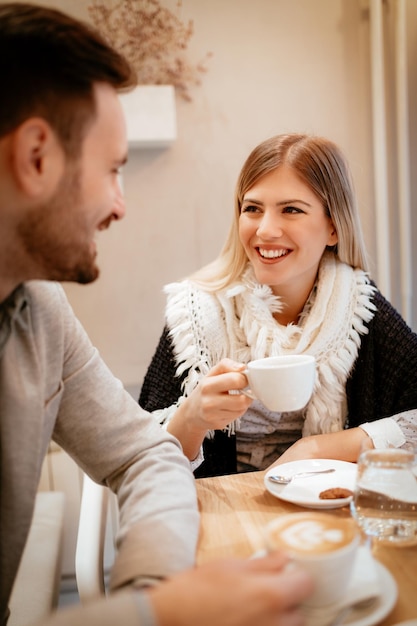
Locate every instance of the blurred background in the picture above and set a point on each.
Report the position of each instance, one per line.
(345, 69)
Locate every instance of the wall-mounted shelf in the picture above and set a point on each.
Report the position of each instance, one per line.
(150, 116)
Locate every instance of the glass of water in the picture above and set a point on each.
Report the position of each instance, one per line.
(385, 496)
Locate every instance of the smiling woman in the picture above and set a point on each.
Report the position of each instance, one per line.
(291, 279)
(284, 229)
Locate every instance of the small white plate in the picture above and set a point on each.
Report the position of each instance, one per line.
(305, 491)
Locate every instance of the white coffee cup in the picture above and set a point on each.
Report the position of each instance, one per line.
(323, 544)
(282, 383)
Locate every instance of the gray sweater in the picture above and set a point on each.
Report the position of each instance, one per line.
(54, 385)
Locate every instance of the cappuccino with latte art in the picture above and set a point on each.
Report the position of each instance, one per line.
(311, 533)
(323, 544)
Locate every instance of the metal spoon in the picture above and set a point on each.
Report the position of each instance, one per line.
(285, 480)
(336, 617)
(366, 603)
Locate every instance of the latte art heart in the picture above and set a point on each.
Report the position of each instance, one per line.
(310, 534)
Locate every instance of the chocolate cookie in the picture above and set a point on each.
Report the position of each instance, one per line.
(334, 493)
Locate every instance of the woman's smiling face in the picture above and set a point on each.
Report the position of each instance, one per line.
(284, 230)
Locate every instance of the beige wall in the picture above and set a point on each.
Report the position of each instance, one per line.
(286, 65)
(277, 66)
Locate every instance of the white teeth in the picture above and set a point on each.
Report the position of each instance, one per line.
(272, 254)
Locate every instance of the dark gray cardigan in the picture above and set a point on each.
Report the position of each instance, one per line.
(383, 382)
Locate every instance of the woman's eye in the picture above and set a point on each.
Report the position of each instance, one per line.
(249, 208)
(292, 210)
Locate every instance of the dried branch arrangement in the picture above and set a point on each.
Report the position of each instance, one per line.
(152, 38)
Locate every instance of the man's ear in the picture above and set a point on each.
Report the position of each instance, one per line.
(37, 157)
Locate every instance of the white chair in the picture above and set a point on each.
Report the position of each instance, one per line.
(96, 531)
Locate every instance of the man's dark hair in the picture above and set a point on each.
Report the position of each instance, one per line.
(49, 63)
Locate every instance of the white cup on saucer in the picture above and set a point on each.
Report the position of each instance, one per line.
(323, 544)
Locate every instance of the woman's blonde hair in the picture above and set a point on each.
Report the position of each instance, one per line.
(320, 164)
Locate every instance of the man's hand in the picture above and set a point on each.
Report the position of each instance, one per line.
(234, 592)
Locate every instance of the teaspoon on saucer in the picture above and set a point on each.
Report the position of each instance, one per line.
(366, 603)
(285, 480)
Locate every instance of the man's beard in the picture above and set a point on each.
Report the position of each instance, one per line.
(54, 235)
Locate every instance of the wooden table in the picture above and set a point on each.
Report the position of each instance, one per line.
(234, 510)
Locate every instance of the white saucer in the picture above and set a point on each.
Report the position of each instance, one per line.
(382, 606)
(305, 491)
(379, 609)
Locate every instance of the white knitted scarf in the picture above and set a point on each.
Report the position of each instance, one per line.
(238, 323)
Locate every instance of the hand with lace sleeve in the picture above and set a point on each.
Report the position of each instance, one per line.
(209, 406)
